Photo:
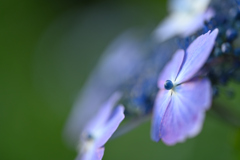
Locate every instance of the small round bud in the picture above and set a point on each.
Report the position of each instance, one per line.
(231, 34)
(226, 48)
(87, 136)
(237, 52)
(215, 91)
(234, 13)
(217, 52)
(168, 85)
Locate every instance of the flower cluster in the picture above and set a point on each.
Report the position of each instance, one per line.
(171, 75)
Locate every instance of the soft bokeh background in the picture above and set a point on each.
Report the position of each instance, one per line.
(48, 48)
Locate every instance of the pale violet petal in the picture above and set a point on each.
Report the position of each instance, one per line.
(171, 70)
(173, 25)
(186, 16)
(111, 125)
(198, 22)
(196, 55)
(99, 121)
(185, 114)
(161, 103)
(100, 152)
(189, 6)
(197, 91)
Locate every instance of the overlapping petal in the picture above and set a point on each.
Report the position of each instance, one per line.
(187, 16)
(161, 104)
(100, 153)
(111, 126)
(104, 113)
(196, 55)
(185, 113)
(98, 131)
(171, 70)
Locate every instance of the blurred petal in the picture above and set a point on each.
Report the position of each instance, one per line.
(103, 114)
(100, 152)
(173, 25)
(198, 22)
(121, 61)
(185, 113)
(186, 17)
(171, 70)
(161, 104)
(111, 126)
(196, 55)
(191, 6)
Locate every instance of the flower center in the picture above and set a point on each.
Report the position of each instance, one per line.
(168, 85)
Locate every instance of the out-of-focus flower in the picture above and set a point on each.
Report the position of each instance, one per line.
(180, 105)
(187, 16)
(121, 61)
(97, 132)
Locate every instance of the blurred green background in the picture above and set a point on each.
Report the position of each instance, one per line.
(48, 48)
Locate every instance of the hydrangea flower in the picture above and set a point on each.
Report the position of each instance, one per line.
(183, 98)
(187, 16)
(100, 129)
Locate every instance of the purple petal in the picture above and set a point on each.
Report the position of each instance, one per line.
(111, 126)
(103, 115)
(100, 152)
(185, 113)
(160, 106)
(171, 70)
(196, 55)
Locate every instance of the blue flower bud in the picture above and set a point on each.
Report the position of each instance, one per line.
(237, 52)
(226, 48)
(215, 91)
(231, 34)
(234, 13)
(168, 85)
(217, 52)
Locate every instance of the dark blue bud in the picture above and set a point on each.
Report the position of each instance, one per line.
(217, 52)
(223, 79)
(226, 48)
(212, 23)
(237, 52)
(231, 34)
(219, 41)
(215, 91)
(168, 85)
(236, 76)
(89, 136)
(234, 13)
(237, 24)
